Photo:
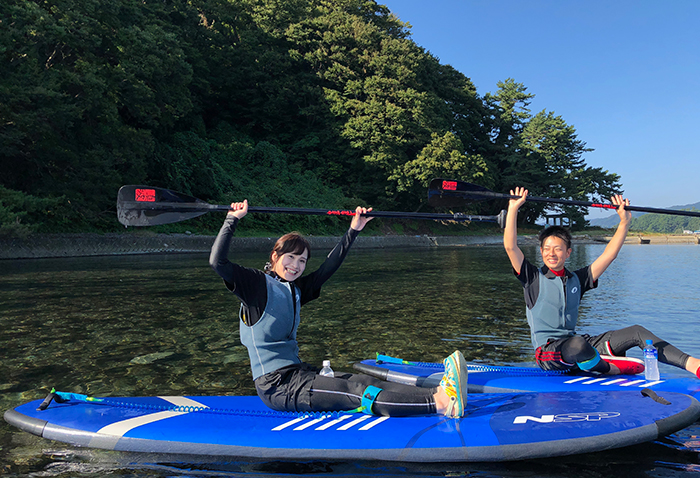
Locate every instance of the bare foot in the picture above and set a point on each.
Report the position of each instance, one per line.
(692, 366)
(441, 401)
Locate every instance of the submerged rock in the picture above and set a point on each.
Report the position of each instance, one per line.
(150, 358)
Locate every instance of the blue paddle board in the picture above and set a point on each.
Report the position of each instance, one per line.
(497, 427)
(505, 379)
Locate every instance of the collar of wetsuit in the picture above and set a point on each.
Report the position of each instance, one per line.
(560, 273)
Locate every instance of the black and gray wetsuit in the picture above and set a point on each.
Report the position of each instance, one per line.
(552, 311)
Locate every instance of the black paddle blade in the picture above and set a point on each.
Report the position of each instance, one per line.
(151, 206)
(454, 193)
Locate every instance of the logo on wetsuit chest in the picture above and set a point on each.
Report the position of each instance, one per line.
(566, 417)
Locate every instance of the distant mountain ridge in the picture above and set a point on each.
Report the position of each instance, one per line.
(612, 220)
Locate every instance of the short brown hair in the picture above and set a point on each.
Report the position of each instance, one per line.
(556, 231)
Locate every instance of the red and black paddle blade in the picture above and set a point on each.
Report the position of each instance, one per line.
(151, 206)
(454, 193)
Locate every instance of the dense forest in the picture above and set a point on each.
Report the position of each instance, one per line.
(303, 103)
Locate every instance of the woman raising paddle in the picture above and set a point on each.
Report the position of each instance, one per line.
(269, 317)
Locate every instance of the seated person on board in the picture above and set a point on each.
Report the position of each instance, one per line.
(269, 318)
(553, 294)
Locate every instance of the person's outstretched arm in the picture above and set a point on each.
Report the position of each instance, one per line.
(218, 258)
(311, 284)
(611, 250)
(510, 232)
(245, 282)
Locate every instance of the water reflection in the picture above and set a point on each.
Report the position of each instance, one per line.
(144, 325)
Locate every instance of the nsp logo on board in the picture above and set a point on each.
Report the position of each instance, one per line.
(566, 417)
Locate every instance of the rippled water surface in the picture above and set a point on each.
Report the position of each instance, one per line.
(165, 324)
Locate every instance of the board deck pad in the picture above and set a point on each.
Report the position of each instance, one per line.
(507, 379)
(497, 427)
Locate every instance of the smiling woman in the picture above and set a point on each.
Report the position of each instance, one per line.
(289, 256)
(269, 319)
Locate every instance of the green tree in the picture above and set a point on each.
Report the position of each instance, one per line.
(442, 157)
(542, 153)
(507, 114)
(85, 85)
(552, 163)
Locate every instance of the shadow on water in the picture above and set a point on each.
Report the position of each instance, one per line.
(671, 457)
(146, 325)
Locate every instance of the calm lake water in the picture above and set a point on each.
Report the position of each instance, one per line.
(165, 324)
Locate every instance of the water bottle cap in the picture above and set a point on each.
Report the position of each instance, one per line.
(326, 363)
(649, 341)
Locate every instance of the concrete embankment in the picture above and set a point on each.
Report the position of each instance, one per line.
(77, 245)
(661, 239)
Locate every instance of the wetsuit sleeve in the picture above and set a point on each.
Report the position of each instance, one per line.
(310, 286)
(528, 277)
(248, 284)
(586, 279)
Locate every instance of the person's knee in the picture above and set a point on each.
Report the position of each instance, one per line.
(583, 353)
(640, 330)
(578, 346)
(644, 334)
(577, 350)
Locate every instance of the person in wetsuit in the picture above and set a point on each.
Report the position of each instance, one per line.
(552, 297)
(269, 317)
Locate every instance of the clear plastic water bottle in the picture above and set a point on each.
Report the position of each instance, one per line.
(651, 362)
(327, 371)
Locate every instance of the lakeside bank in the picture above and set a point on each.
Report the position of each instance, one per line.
(81, 245)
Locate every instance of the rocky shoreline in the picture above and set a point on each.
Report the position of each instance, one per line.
(81, 245)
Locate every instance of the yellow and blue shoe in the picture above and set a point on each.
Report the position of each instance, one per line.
(454, 383)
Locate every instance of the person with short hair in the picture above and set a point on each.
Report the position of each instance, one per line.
(552, 298)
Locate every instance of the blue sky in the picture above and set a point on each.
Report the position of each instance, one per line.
(625, 74)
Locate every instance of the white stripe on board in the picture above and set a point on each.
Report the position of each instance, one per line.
(310, 423)
(622, 382)
(612, 382)
(184, 402)
(375, 422)
(347, 426)
(633, 382)
(577, 379)
(289, 424)
(333, 422)
(120, 428)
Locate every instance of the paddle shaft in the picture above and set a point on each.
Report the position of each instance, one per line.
(574, 202)
(461, 192)
(187, 208)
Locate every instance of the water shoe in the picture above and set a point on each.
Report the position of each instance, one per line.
(454, 383)
(627, 365)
